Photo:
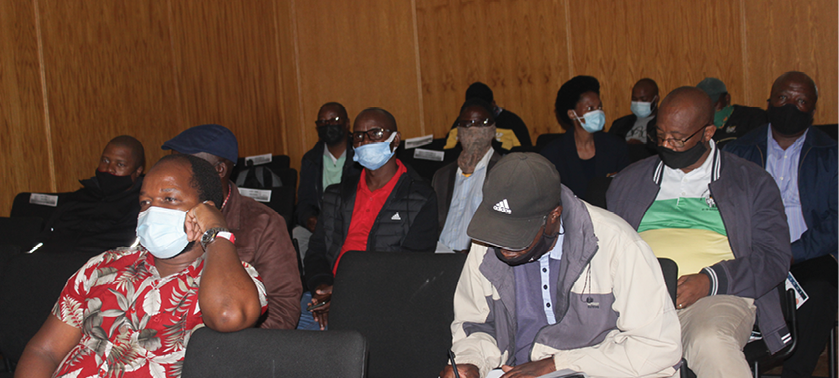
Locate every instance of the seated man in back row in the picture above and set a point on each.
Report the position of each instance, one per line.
(262, 234)
(557, 284)
(130, 312)
(387, 208)
(721, 219)
(103, 214)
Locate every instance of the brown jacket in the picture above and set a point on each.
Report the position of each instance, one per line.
(262, 240)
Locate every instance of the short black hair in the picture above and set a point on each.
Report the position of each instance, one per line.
(475, 101)
(138, 153)
(390, 118)
(569, 94)
(204, 180)
(479, 90)
(331, 104)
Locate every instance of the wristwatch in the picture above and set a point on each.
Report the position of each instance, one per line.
(216, 232)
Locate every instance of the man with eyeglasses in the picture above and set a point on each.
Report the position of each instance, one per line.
(458, 184)
(387, 208)
(721, 219)
(325, 164)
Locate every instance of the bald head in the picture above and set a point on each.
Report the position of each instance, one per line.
(799, 80)
(692, 106)
(647, 86)
(380, 116)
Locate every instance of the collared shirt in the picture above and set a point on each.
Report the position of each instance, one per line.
(639, 129)
(467, 195)
(332, 167)
(684, 223)
(366, 209)
(782, 165)
(134, 323)
(536, 297)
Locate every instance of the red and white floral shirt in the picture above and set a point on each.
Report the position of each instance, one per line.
(133, 322)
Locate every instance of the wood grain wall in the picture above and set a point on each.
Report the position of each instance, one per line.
(75, 73)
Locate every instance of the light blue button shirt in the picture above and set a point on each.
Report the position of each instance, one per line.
(782, 165)
(545, 265)
(467, 195)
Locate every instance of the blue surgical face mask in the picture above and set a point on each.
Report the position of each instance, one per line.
(374, 155)
(641, 109)
(593, 121)
(161, 231)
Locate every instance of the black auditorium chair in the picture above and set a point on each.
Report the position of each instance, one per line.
(275, 176)
(26, 205)
(831, 129)
(21, 232)
(544, 139)
(257, 353)
(29, 287)
(402, 303)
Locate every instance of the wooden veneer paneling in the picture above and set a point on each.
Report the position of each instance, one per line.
(518, 48)
(108, 72)
(24, 148)
(360, 53)
(786, 36)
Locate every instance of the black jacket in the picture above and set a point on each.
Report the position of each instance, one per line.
(414, 230)
(742, 120)
(92, 222)
(310, 191)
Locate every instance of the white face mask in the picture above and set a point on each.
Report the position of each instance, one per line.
(593, 121)
(641, 109)
(161, 231)
(374, 155)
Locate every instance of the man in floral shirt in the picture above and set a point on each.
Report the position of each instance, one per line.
(130, 312)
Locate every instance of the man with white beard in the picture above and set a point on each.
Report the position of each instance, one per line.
(458, 185)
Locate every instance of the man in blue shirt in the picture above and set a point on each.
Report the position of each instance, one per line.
(803, 162)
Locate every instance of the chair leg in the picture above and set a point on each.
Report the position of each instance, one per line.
(831, 352)
(756, 370)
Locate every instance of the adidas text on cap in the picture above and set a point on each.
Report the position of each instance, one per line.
(518, 193)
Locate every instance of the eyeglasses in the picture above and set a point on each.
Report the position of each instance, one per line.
(330, 121)
(474, 123)
(374, 135)
(677, 143)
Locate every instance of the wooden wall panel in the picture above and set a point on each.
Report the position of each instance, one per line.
(108, 72)
(516, 47)
(289, 100)
(228, 70)
(786, 36)
(360, 53)
(675, 43)
(24, 149)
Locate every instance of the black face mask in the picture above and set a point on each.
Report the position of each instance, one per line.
(542, 247)
(331, 134)
(788, 120)
(681, 159)
(112, 184)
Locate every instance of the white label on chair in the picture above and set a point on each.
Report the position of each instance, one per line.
(800, 295)
(43, 199)
(418, 141)
(258, 159)
(257, 194)
(423, 154)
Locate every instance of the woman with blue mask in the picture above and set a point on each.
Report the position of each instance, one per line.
(584, 152)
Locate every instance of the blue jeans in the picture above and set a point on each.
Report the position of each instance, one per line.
(307, 322)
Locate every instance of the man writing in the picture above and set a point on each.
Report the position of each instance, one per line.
(386, 208)
(130, 312)
(721, 219)
(557, 284)
(262, 234)
(803, 162)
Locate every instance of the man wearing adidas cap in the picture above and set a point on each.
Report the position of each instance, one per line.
(555, 283)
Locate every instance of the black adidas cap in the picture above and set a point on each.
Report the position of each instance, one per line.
(519, 192)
